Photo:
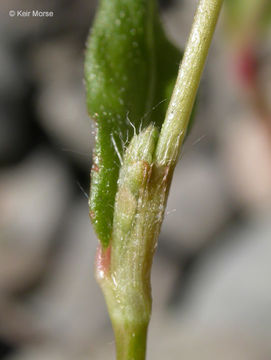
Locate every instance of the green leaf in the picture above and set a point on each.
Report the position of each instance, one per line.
(130, 70)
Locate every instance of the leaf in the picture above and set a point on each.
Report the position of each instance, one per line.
(130, 70)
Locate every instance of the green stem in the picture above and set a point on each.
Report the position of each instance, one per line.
(181, 104)
(130, 341)
(143, 186)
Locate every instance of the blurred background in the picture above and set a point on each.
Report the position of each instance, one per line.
(212, 270)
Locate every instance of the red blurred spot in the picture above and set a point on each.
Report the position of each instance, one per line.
(246, 66)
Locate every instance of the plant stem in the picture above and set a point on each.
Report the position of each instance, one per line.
(183, 97)
(130, 341)
(145, 176)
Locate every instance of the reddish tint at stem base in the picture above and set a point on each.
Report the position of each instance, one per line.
(102, 262)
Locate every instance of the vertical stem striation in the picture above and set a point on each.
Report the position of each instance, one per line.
(180, 107)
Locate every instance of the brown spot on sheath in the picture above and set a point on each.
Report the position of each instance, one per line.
(166, 174)
(147, 168)
(161, 176)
